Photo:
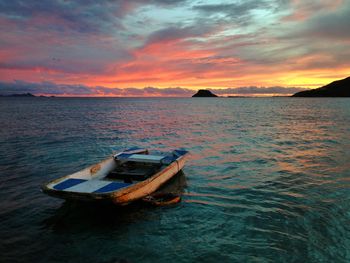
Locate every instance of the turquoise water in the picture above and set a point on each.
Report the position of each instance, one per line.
(268, 180)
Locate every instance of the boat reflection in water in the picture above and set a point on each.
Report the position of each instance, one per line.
(76, 215)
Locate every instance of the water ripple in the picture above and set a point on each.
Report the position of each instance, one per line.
(267, 181)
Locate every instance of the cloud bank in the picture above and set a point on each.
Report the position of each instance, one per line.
(49, 88)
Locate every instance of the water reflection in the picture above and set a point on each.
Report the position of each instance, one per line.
(268, 180)
(73, 215)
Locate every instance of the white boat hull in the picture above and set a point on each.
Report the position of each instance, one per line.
(92, 178)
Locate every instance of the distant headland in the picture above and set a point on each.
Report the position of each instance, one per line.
(25, 95)
(18, 95)
(204, 93)
(338, 88)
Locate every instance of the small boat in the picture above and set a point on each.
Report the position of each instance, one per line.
(123, 178)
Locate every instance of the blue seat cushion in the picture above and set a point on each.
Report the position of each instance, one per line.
(111, 187)
(68, 183)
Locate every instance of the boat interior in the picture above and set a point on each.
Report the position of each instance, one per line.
(131, 171)
(135, 167)
(129, 167)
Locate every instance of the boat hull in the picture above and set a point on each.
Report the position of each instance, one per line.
(122, 196)
(145, 188)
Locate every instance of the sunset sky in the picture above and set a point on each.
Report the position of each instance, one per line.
(172, 47)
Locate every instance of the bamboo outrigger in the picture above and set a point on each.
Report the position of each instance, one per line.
(123, 178)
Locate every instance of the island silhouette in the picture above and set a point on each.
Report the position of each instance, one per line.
(338, 88)
(204, 93)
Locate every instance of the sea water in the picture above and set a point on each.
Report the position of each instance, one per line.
(267, 181)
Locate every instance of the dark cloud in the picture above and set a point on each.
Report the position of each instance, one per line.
(18, 87)
(237, 12)
(306, 9)
(169, 91)
(320, 40)
(170, 34)
(330, 25)
(49, 88)
(231, 9)
(178, 41)
(83, 16)
(83, 59)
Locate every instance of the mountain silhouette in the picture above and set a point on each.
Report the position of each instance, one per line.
(338, 88)
(204, 93)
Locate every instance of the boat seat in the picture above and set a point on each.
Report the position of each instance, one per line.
(144, 158)
(132, 173)
(135, 150)
(112, 187)
(89, 186)
(70, 182)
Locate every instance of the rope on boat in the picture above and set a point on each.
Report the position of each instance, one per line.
(162, 199)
